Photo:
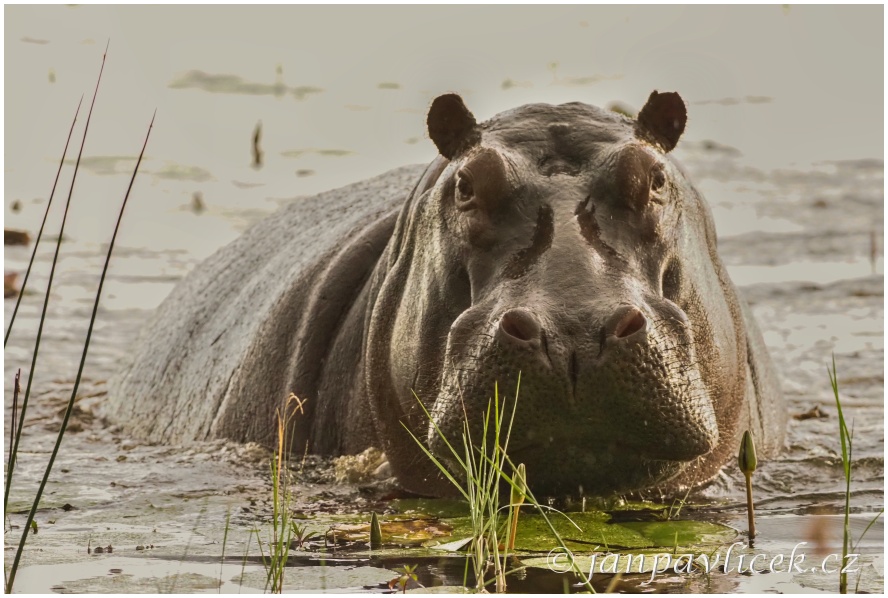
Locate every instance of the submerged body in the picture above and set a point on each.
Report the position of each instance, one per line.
(558, 243)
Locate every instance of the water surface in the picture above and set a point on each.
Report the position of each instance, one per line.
(784, 139)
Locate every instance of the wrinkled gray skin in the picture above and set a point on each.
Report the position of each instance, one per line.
(558, 242)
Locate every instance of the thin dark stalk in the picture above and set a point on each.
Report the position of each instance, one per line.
(16, 389)
(70, 408)
(55, 258)
(21, 293)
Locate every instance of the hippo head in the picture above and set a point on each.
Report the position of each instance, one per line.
(564, 245)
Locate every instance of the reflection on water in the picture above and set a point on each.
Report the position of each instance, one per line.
(796, 192)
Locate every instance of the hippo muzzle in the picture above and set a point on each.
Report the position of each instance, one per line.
(599, 396)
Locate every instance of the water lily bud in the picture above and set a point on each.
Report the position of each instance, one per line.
(747, 458)
(375, 532)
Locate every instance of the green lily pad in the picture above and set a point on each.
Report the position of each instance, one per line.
(597, 532)
(594, 530)
(682, 533)
(534, 534)
(437, 507)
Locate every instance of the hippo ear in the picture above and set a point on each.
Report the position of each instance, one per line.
(451, 126)
(663, 119)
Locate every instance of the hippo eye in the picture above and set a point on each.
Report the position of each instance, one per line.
(671, 281)
(658, 179)
(465, 192)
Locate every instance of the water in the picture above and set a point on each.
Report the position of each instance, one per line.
(783, 139)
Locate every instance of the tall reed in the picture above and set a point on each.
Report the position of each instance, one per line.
(21, 292)
(10, 580)
(18, 432)
(281, 522)
(847, 447)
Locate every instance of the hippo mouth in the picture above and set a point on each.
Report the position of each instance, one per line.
(571, 470)
(623, 414)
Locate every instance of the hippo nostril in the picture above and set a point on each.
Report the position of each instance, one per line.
(626, 322)
(520, 325)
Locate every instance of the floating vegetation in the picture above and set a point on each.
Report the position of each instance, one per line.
(333, 153)
(216, 83)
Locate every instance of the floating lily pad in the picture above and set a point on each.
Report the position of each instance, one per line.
(597, 531)
(591, 530)
(437, 507)
(662, 537)
(455, 546)
(683, 533)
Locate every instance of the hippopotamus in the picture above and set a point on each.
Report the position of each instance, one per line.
(561, 246)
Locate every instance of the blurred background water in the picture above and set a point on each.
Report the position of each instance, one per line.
(785, 139)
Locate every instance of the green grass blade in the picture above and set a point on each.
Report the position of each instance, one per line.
(21, 293)
(871, 523)
(860, 539)
(437, 463)
(240, 584)
(224, 542)
(55, 258)
(70, 407)
(847, 448)
(437, 431)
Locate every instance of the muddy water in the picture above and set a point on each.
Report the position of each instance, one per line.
(797, 195)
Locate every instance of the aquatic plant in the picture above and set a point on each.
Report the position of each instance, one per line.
(282, 527)
(301, 537)
(486, 467)
(673, 512)
(481, 464)
(846, 439)
(224, 543)
(21, 291)
(375, 532)
(748, 462)
(10, 578)
(407, 574)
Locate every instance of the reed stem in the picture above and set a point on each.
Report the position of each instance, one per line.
(70, 407)
(18, 433)
(21, 292)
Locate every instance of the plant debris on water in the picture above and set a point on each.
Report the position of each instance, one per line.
(129, 522)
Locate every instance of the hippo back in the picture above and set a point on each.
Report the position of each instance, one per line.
(231, 341)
